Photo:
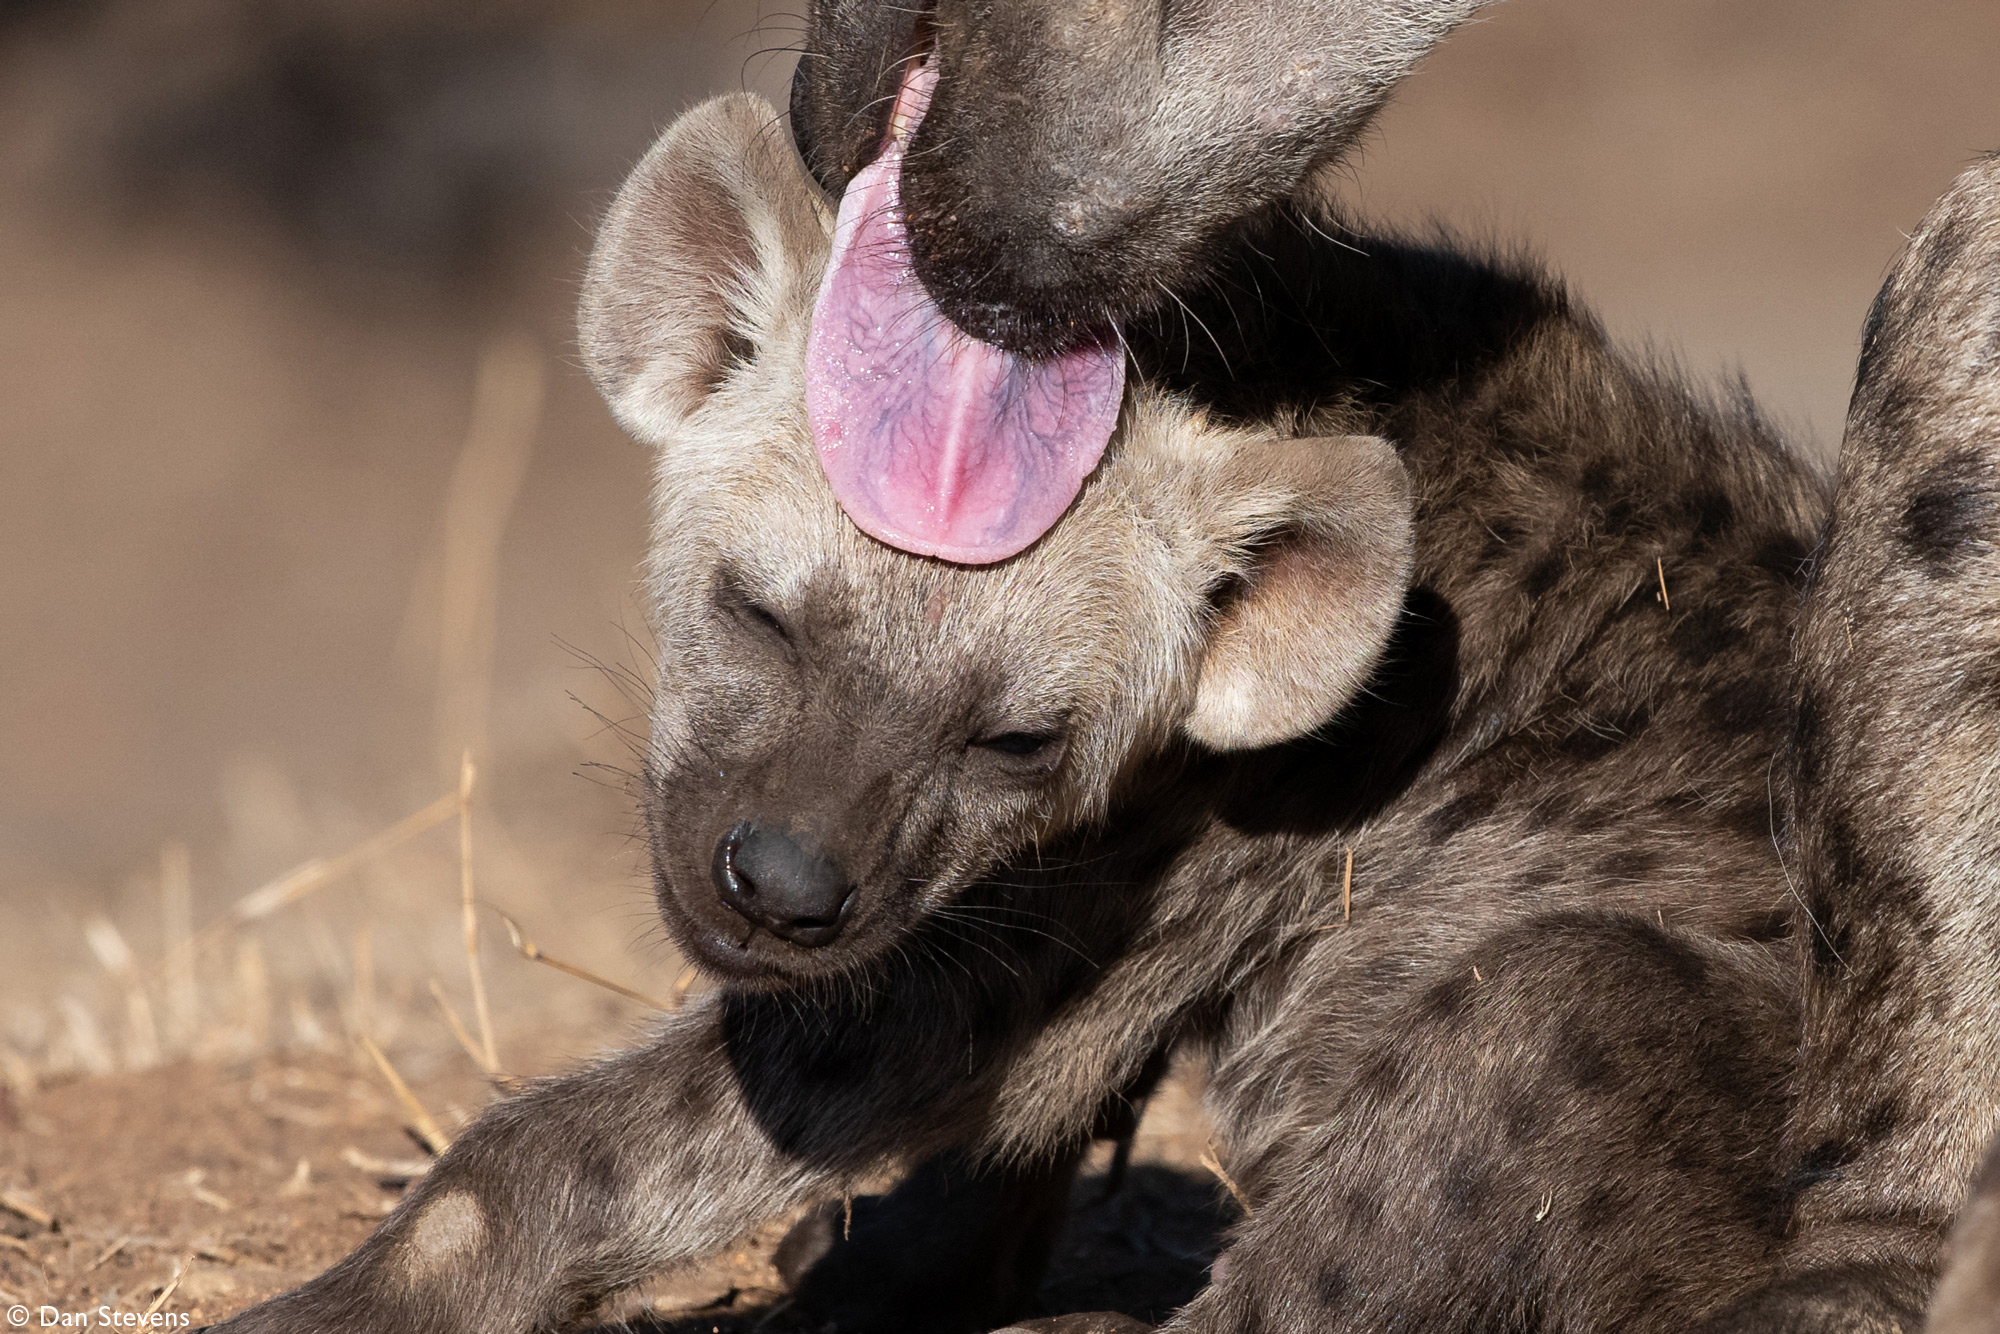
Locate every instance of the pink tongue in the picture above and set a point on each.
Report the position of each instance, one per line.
(934, 442)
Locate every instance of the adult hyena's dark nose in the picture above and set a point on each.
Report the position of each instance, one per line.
(769, 878)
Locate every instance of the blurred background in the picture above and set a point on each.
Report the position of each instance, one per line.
(303, 495)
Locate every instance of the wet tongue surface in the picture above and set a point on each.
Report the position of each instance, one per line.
(935, 442)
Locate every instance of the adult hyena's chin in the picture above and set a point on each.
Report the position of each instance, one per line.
(1079, 162)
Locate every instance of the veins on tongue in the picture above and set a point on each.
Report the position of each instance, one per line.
(932, 441)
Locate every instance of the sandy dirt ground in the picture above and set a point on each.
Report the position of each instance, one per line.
(303, 496)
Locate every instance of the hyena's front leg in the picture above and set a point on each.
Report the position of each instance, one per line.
(582, 1184)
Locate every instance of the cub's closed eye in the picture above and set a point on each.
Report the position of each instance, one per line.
(1017, 743)
(767, 619)
(733, 599)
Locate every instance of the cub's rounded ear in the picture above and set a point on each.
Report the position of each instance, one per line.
(1327, 566)
(713, 232)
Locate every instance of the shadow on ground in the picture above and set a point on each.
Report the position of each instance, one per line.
(1144, 1250)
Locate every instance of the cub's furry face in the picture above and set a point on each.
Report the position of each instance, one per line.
(846, 735)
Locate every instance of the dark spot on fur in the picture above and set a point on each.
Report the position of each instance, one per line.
(599, 1181)
(1827, 937)
(1808, 737)
(1521, 1118)
(1711, 513)
(1447, 1000)
(1881, 1121)
(1460, 813)
(1950, 513)
(1741, 706)
(1385, 1075)
(1940, 252)
(1364, 1209)
(1703, 635)
(1678, 958)
(1750, 818)
(1628, 864)
(1465, 1188)
(1599, 479)
(1544, 574)
(1331, 1285)
(1840, 849)
(731, 352)
(1581, 1060)
(1768, 928)
(1551, 809)
(1822, 1162)
(1595, 819)
(1783, 556)
(1601, 1208)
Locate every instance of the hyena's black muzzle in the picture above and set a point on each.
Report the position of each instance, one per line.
(773, 881)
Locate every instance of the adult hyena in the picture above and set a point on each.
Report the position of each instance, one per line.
(1409, 564)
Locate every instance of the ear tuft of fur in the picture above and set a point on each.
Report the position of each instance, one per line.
(717, 212)
(1326, 581)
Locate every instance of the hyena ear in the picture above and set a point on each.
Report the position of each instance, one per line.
(1328, 566)
(715, 228)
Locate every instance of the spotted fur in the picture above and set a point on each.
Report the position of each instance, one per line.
(1544, 1068)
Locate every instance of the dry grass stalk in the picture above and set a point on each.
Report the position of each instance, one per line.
(22, 1207)
(1660, 565)
(307, 1031)
(173, 1286)
(1347, 888)
(177, 932)
(528, 949)
(316, 874)
(427, 1130)
(364, 982)
(389, 1169)
(104, 1256)
(506, 414)
(458, 1029)
(86, 1037)
(489, 1059)
(304, 879)
(253, 994)
(299, 1182)
(219, 1203)
(18, 1076)
(682, 984)
(1208, 1160)
(142, 1036)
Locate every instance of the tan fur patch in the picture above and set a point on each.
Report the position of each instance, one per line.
(446, 1233)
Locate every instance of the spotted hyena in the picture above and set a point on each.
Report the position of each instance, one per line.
(1412, 572)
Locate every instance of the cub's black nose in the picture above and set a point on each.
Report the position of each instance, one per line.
(768, 878)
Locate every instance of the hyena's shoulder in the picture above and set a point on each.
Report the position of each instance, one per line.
(1610, 561)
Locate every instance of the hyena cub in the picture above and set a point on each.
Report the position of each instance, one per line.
(973, 847)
